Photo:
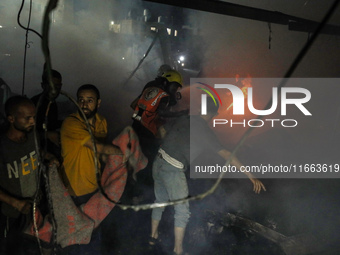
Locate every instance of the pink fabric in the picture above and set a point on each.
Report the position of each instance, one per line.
(75, 225)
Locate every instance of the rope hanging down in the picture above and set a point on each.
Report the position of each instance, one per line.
(52, 94)
(26, 42)
(19, 23)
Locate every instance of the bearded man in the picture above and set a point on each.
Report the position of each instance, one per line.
(19, 175)
(77, 147)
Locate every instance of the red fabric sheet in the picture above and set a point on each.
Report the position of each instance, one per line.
(75, 225)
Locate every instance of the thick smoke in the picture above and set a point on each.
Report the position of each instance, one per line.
(83, 50)
(241, 46)
(237, 46)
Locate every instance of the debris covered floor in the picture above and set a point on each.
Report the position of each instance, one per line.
(306, 215)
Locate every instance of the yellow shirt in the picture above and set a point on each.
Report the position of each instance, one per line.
(79, 166)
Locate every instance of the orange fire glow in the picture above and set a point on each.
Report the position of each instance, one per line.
(245, 83)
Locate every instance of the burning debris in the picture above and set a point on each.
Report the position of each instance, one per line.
(227, 233)
(244, 84)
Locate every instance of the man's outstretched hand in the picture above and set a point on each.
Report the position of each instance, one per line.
(257, 185)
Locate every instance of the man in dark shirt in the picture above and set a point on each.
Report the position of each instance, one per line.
(52, 118)
(152, 109)
(180, 146)
(18, 172)
(153, 106)
(52, 121)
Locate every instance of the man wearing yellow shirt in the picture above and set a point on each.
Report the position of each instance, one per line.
(77, 146)
(77, 152)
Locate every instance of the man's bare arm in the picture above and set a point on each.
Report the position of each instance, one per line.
(106, 149)
(161, 132)
(54, 137)
(22, 206)
(51, 159)
(257, 184)
(164, 111)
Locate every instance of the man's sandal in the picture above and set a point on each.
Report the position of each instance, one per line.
(153, 241)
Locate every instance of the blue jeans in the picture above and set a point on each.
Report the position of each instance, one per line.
(170, 183)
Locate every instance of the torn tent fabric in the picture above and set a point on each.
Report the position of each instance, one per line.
(75, 224)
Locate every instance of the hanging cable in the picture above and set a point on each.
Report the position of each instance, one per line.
(43, 173)
(46, 182)
(51, 93)
(26, 28)
(40, 166)
(270, 35)
(26, 45)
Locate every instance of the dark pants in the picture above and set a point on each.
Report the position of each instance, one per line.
(12, 240)
(149, 145)
(140, 189)
(93, 248)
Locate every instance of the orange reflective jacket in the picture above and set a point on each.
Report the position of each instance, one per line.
(146, 109)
